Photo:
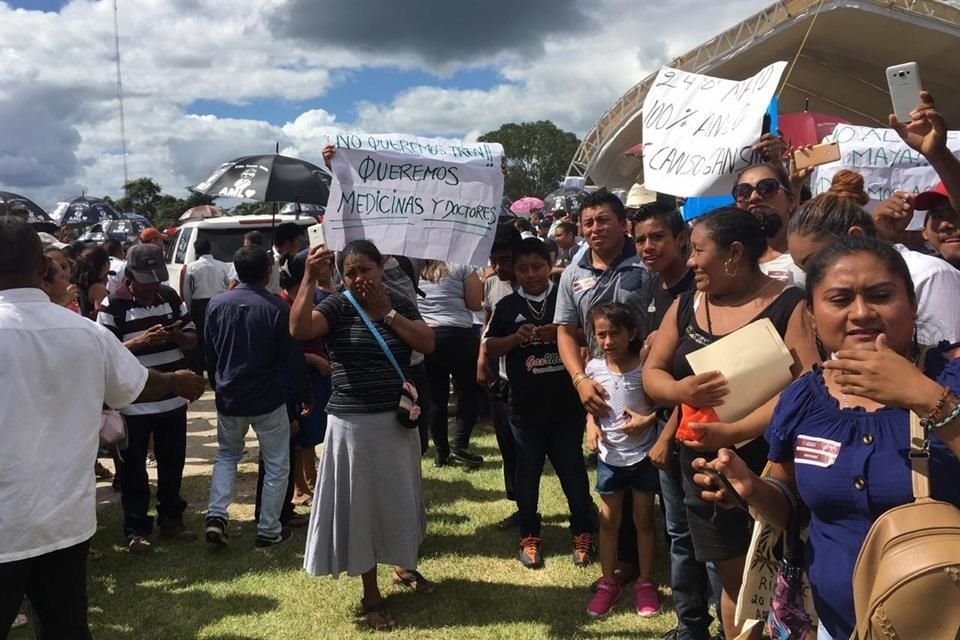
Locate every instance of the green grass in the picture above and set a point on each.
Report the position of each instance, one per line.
(194, 591)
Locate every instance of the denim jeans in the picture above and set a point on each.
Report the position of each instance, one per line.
(56, 585)
(690, 580)
(562, 442)
(273, 434)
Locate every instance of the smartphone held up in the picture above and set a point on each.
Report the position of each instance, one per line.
(905, 87)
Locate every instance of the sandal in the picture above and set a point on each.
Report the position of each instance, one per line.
(376, 616)
(414, 580)
(102, 472)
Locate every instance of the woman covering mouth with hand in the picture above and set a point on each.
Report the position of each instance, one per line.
(840, 433)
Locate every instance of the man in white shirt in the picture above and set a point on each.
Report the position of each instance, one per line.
(60, 369)
(206, 277)
(287, 240)
(117, 265)
(937, 285)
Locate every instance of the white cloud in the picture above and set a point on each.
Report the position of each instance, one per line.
(60, 122)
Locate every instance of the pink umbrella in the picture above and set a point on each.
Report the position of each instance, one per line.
(807, 127)
(525, 205)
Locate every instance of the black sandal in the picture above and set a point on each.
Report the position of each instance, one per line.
(414, 580)
(377, 617)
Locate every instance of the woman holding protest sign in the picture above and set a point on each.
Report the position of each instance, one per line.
(731, 292)
(368, 507)
(839, 435)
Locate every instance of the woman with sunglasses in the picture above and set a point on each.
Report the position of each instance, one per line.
(836, 213)
(766, 187)
(731, 292)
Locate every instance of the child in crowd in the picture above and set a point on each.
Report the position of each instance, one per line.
(624, 437)
(546, 416)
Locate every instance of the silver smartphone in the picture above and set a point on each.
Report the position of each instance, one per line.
(905, 87)
(315, 234)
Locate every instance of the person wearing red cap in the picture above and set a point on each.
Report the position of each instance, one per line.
(152, 236)
(941, 226)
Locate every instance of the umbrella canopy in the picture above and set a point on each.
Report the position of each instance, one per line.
(269, 178)
(139, 217)
(565, 199)
(201, 212)
(85, 212)
(122, 230)
(525, 205)
(15, 204)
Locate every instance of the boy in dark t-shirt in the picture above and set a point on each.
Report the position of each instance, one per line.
(546, 416)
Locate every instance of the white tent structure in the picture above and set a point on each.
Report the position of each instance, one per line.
(839, 50)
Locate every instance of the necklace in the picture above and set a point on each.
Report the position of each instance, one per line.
(738, 303)
(537, 314)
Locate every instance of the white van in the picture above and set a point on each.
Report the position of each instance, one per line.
(225, 235)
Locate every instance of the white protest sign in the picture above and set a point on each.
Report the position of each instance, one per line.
(885, 161)
(698, 131)
(416, 197)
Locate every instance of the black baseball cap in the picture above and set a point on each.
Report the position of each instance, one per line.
(145, 264)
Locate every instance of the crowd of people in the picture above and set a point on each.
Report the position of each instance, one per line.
(575, 335)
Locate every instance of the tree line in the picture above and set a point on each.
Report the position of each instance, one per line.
(538, 154)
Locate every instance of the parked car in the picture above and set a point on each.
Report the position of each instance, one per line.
(225, 234)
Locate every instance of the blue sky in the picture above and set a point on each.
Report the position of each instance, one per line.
(203, 84)
(377, 85)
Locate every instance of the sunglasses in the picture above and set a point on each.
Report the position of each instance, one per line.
(766, 188)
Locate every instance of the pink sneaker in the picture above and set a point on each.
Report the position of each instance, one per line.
(646, 598)
(608, 592)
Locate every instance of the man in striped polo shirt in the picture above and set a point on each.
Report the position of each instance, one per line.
(155, 325)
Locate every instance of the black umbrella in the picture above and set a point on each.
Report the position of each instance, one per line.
(84, 212)
(564, 199)
(14, 204)
(268, 178)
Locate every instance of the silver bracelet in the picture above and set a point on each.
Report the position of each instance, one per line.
(950, 417)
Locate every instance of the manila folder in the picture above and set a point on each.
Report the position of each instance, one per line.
(755, 362)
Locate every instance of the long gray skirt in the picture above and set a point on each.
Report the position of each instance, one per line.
(368, 506)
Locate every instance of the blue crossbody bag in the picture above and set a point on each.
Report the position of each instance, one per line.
(408, 412)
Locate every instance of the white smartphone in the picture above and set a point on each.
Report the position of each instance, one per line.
(905, 87)
(315, 234)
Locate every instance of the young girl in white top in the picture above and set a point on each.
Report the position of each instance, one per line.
(624, 437)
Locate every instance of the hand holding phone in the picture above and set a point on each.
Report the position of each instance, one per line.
(315, 234)
(905, 87)
(816, 155)
(720, 482)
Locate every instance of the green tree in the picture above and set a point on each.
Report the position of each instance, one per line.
(538, 154)
(253, 209)
(141, 195)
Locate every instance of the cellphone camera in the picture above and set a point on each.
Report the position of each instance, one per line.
(901, 74)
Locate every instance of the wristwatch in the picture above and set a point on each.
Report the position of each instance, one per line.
(388, 319)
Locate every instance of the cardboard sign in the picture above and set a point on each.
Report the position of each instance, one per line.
(698, 131)
(885, 161)
(416, 197)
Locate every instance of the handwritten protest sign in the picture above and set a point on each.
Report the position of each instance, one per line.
(698, 131)
(885, 161)
(417, 197)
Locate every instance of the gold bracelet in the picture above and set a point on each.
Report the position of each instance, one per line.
(577, 379)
